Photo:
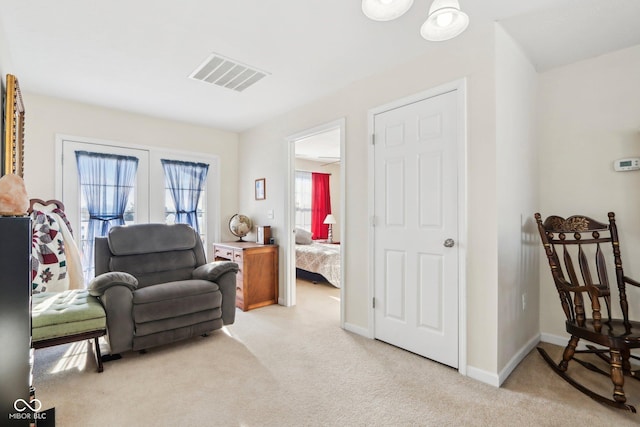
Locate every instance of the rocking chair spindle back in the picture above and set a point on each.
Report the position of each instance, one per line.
(581, 241)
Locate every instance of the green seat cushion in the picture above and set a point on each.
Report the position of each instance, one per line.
(60, 314)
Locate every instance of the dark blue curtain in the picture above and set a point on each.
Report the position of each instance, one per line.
(185, 181)
(106, 181)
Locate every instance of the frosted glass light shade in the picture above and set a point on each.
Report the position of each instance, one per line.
(385, 10)
(445, 21)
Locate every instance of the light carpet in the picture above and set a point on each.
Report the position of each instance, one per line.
(279, 366)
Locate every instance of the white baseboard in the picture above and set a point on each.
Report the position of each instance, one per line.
(555, 339)
(357, 330)
(517, 358)
(562, 341)
(483, 376)
(496, 380)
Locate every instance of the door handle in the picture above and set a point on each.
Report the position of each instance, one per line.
(449, 243)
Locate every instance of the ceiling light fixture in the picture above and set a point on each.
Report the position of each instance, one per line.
(385, 10)
(445, 21)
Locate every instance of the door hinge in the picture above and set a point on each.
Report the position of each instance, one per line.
(373, 139)
(373, 302)
(372, 220)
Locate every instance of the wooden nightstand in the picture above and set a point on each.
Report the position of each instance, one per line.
(257, 280)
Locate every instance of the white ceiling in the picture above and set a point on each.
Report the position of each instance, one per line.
(137, 55)
(322, 147)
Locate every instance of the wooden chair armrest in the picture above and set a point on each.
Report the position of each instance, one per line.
(631, 281)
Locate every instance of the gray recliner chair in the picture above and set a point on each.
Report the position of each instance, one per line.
(156, 286)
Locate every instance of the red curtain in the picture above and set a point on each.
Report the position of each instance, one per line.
(320, 205)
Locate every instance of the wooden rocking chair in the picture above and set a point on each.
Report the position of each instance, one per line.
(582, 237)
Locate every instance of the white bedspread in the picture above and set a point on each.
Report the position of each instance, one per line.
(321, 258)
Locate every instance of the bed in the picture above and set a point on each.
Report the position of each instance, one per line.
(318, 262)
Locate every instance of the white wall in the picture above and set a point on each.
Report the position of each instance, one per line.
(516, 90)
(6, 63)
(590, 116)
(45, 117)
(334, 187)
(5, 67)
(263, 152)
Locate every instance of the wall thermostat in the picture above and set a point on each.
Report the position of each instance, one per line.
(630, 164)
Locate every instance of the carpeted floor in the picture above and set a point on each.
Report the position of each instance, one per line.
(279, 366)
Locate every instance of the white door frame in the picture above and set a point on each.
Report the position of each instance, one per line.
(289, 297)
(461, 87)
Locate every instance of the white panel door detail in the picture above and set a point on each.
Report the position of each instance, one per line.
(416, 211)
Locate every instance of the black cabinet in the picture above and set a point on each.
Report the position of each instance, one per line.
(15, 319)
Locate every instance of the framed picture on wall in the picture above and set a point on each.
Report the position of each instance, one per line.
(261, 191)
(13, 135)
(1, 127)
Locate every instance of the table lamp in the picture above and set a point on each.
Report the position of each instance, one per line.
(330, 219)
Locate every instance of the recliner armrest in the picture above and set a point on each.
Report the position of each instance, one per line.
(224, 274)
(115, 291)
(99, 284)
(118, 304)
(214, 270)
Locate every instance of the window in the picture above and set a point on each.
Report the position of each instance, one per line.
(150, 199)
(107, 183)
(185, 185)
(303, 200)
(170, 210)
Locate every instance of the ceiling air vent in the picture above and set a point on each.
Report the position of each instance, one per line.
(225, 72)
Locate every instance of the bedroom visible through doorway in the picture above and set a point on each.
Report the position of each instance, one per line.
(316, 209)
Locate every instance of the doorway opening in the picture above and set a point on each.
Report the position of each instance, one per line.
(316, 210)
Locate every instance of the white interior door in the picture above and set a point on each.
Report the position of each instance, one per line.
(416, 227)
